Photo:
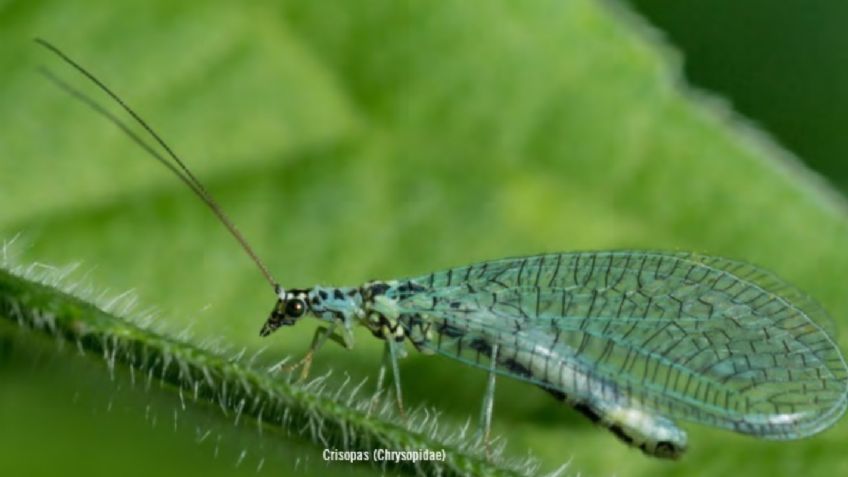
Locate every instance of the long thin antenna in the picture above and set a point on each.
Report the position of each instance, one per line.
(177, 167)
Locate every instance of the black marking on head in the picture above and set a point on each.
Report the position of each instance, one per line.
(271, 324)
(337, 294)
(286, 311)
(323, 294)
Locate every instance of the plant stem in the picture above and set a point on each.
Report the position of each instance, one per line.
(232, 386)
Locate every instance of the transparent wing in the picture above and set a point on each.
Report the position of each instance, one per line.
(692, 337)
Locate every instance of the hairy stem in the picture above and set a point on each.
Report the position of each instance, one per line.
(232, 386)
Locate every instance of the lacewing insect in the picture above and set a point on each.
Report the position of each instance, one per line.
(632, 339)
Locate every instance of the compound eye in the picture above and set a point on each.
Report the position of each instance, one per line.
(295, 307)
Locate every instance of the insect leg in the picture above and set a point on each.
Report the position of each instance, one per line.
(381, 377)
(391, 354)
(318, 340)
(390, 357)
(489, 398)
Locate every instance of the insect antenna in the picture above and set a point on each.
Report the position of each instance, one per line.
(175, 165)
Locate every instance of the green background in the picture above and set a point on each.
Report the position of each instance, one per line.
(782, 64)
(377, 140)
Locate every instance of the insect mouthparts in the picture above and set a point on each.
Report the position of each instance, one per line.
(267, 329)
(274, 323)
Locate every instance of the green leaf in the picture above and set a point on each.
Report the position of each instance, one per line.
(381, 139)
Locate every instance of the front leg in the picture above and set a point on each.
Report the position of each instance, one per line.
(318, 339)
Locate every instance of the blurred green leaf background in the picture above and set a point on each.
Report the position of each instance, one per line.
(781, 64)
(380, 139)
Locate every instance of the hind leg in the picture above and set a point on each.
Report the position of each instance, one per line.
(390, 357)
(488, 400)
(392, 354)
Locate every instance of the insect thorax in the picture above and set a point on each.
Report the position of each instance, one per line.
(373, 305)
(331, 304)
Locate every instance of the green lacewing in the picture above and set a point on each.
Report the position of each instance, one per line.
(634, 340)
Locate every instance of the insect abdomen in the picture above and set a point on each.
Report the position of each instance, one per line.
(654, 435)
